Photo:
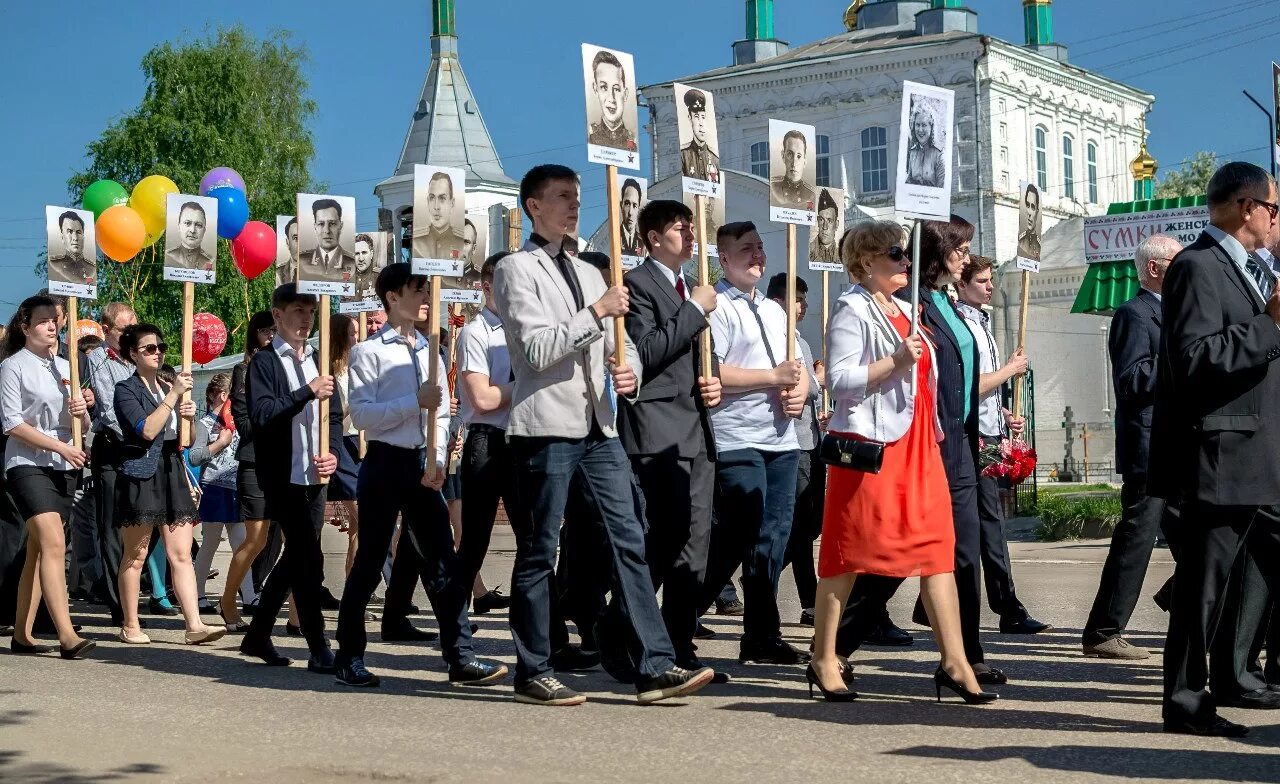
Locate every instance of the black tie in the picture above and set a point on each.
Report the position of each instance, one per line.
(1262, 276)
(755, 311)
(566, 269)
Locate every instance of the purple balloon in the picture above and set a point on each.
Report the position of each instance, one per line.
(221, 177)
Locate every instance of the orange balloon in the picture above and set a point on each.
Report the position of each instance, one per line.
(87, 327)
(121, 232)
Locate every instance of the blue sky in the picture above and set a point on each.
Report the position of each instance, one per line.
(73, 68)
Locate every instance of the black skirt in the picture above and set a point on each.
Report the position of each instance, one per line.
(253, 503)
(163, 499)
(40, 490)
(342, 485)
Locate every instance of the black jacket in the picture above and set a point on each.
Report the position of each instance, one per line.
(134, 403)
(1133, 344)
(272, 407)
(667, 416)
(240, 411)
(960, 433)
(1215, 430)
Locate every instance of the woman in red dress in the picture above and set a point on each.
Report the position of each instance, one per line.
(896, 522)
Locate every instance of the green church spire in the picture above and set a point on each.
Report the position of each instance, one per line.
(442, 20)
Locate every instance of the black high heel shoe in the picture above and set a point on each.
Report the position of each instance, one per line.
(838, 695)
(942, 680)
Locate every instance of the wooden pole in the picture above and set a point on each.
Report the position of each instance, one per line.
(915, 289)
(73, 362)
(826, 314)
(324, 371)
(362, 333)
(704, 279)
(615, 262)
(455, 310)
(791, 291)
(188, 317)
(515, 230)
(433, 374)
(1084, 436)
(1020, 383)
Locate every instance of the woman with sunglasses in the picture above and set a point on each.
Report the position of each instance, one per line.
(41, 465)
(152, 490)
(894, 521)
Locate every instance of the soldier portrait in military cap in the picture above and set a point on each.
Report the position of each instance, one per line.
(286, 249)
(439, 219)
(699, 140)
(73, 252)
(190, 238)
(793, 173)
(475, 245)
(612, 114)
(371, 254)
(824, 237)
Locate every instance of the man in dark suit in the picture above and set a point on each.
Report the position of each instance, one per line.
(1216, 428)
(1133, 344)
(666, 430)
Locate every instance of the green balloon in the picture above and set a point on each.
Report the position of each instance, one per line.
(102, 195)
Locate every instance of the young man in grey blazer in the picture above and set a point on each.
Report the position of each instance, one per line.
(559, 326)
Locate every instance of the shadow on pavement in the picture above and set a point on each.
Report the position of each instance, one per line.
(1166, 764)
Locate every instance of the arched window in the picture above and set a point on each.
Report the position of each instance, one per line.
(823, 159)
(760, 159)
(875, 160)
(1042, 157)
(1091, 170)
(1068, 166)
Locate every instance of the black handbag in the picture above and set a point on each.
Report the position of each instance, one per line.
(852, 453)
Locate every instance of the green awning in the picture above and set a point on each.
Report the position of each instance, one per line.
(1109, 284)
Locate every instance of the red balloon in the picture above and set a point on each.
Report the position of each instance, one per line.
(208, 337)
(254, 250)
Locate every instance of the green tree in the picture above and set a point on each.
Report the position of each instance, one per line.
(224, 100)
(1191, 178)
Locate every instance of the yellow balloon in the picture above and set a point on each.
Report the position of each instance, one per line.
(148, 200)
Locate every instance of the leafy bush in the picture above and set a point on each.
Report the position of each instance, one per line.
(1072, 516)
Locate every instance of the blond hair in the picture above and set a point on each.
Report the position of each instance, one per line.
(864, 242)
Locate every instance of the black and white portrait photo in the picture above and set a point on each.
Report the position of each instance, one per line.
(924, 151)
(630, 201)
(699, 141)
(1275, 110)
(713, 213)
(1029, 224)
(824, 236)
(439, 220)
(190, 238)
(371, 255)
(73, 252)
(467, 289)
(609, 78)
(326, 244)
(286, 249)
(793, 173)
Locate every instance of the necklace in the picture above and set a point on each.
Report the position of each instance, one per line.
(883, 303)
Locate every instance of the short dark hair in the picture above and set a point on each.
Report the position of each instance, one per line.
(973, 266)
(192, 205)
(70, 215)
(134, 333)
(287, 294)
(778, 286)
(365, 238)
(293, 221)
(605, 57)
(1237, 180)
(467, 222)
(793, 134)
(658, 214)
(734, 231)
(595, 258)
(395, 277)
(937, 241)
(490, 267)
(631, 182)
(325, 204)
(536, 180)
(437, 177)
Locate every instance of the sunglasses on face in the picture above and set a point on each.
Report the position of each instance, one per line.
(896, 253)
(152, 348)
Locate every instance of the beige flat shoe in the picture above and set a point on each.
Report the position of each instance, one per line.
(208, 634)
(135, 637)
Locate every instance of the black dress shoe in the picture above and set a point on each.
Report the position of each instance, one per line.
(323, 664)
(477, 673)
(989, 675)
(703, 633)
(693, 663)
(407, 633)
(263, 649)
(887, 634)
(807, 616)
(493, 600)
(1027, 625)
(775, 651)
(572, 658)
(19, 647)
(77, 651)
(1259, 699)
(675, 682)
(1212, 727)
(291, 630)
(6, 631)
(735, 607)
(157, 607)
(352, 672)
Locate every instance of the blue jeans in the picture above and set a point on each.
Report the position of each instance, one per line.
(755, 499)
(545, 467)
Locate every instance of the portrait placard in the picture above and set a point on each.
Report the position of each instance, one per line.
(286, 249)
(1030, 216)
(73, 252)
(475, 243)
(793, 173)
(371, 257)
(190, 238)
(634, 195)
(1275, 109)
(699, 140)
(714, 210)
(824, 236)
(924, 152)
(439, 220)
(609, 79)
(326, 244)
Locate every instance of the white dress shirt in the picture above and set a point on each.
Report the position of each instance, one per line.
(385, 374)
(671, 276)
(482, 344)
(1239, 256)
(306, 424)
(990, 420)
(35, 390)
(754, 419)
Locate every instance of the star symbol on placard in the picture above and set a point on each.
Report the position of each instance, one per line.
(455, 267)
(715, 190)
(631, 158)
(208, 275)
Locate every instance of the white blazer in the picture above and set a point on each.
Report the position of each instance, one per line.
(858, 334)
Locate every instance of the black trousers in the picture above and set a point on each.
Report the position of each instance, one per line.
(678, 494)
(13, 556)
(1242, 632)
(1134, 537)
(997, 573)
(104, 468)
(1213, 538)
(488, 476)
(390, 485)
(266, 560)
(806, 526)
(299, 510)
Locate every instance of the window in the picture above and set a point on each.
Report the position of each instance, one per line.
(822, 156)
(760, 159)
(1091, 170)
(1068, 166)
(1042, 158)
(875, 160)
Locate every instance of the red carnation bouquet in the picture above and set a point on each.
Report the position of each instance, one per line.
(1011, 458)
